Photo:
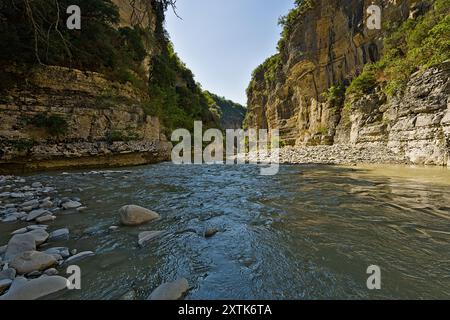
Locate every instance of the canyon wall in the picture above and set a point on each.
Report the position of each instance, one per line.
(329, 45)
(104, 123)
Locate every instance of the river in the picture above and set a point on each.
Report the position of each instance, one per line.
(309, 232)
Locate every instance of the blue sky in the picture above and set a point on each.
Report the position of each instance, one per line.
(223, 41)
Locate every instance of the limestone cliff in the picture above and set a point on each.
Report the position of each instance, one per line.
(328, 45)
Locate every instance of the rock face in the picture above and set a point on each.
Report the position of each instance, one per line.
(23, 289)
(416, 125)
(134, 215)
(329, 44)
(170, 291)
(100, 131)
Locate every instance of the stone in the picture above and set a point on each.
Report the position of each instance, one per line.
(170, 291)
(40, 236)
(31, 203)
(113, 228)
(46, 205)
(80, 209)
(62, 251)
(5, 284)
(37, 226)
(8, 273)
(18, 244)
(71, 205)
(44, 219)
(132, 215)
(23, 289)
(36, 185)
(51, 272)
(37, 213)
(34, 274)
(59, 234)
(79, 256)
(211, 232)
(19, 231)
(9, 219)
(147, 236)
(30, 261)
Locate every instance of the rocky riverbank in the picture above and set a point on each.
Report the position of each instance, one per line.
(332, 155)
(341, 154)
(34, 262)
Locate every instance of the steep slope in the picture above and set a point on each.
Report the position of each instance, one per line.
(105, 95)
(325, 53)
(231, 114)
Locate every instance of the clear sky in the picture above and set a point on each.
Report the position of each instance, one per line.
(223, 41)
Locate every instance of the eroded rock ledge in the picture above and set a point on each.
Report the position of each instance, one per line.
(104, 123)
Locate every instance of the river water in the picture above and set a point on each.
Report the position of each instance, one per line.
(309, 232)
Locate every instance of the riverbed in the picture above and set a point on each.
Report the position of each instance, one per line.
(309, 232)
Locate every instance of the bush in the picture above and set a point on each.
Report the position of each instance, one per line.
(365, 83)
(54, 124)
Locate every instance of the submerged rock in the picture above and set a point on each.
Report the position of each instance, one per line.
(30, 261)
(170, 291)
(211, 232)
(23, 289)
(147, 236)
(134, 215)
(37, 213)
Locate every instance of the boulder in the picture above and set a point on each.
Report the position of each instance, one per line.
(30, 261)
(18, 244)
(23, 289)
(210, 232)
(147, 236)
(134, 215)
(170, 291)
(40, 236)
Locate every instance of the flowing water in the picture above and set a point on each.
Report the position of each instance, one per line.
(309, 232)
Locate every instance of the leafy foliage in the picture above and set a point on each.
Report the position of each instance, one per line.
(55, 124)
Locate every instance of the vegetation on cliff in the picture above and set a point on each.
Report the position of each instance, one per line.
(36, 33)
(415, 45)
(231, 114)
